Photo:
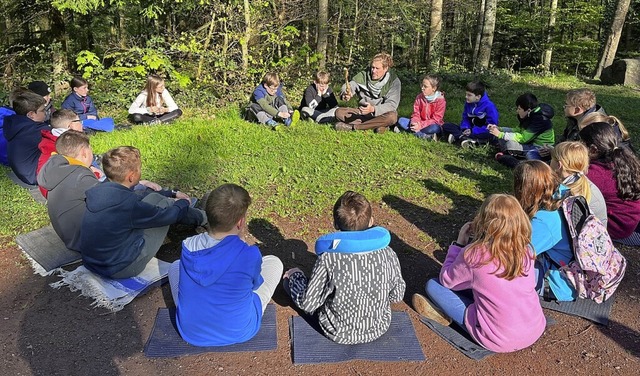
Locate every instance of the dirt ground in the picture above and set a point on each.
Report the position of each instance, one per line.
(55, 332)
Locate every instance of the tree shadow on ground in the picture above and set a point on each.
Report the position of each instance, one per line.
(292, 252)
(61, 334)
(624, 336)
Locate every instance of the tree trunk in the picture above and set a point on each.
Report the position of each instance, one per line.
(546, 57)
(323, 18)
(613, 37)
(247, 36)
(489, 26)
(336, 36)
(206, 43)
(435, 35)
(355, 32)
(480, 22)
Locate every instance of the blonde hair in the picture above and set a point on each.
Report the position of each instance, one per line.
(322, 77)
(384, 58)
(574, 157)
(597, 117)
(583, 98)
(534, 184)
(503, 230)
(153, 81)
(271, 79)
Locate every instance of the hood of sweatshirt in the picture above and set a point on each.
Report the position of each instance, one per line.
(107, 195)
(206, 266)
(17, 125)
(57, 169)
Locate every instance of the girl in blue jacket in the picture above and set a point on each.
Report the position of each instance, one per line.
(81, 103)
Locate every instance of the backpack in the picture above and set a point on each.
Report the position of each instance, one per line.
(598, 267)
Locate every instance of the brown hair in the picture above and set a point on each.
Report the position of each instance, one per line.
(226, 205)
(534, 184)
(475, 87)
(271, 79)
(384, 58)
(14, 93)
(27, 101)
(71, 143)
(119, 162)
(322, 77)
(153, 81)
(574, 157)
(352, 212)
(433, 80)
(582, 98)
(63, 118)
(503, 230)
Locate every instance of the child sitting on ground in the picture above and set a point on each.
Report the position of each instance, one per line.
(122, 231)
(42, 89)
(355, 279)
(23, 134)
(428, 111)
(81, 103)
(5, 112)
(221, 285)
(61, 121)
(319, 103)
(66, 177)
(578, 103)
(536, 129)
(624, 139)
(269, 105)
(478, 112)
(154, 105)
(487, 286)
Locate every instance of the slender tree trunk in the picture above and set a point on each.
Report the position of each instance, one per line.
(486, 42)
(247, 36)
(546, 57)
(613, 37)
(480, 23)
(212, 24)
(60, 63)
(354, 30)
(322, 40)
(435, 35)
(336, 36)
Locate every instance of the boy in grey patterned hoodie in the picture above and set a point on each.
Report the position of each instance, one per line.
(355, 279)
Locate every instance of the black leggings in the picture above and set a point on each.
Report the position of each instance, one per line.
(164, 118)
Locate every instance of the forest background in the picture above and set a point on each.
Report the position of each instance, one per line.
(214, 52)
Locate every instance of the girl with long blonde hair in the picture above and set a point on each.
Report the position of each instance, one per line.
(570, 161)
(154, 105)
(487, 286)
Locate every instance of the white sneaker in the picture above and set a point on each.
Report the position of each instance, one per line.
(469, 144)
(451, 139)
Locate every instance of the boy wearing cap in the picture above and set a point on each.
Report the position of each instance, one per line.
(43, 90)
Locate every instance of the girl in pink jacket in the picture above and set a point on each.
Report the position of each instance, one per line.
(428, 111)
(488, 286)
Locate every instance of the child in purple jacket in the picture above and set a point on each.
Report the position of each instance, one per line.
(488, 287)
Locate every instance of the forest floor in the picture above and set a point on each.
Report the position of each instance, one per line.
(55, 332)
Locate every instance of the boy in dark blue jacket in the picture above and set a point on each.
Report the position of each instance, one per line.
(221, 285)
(478, 112)
(23, 134)
(122, 231)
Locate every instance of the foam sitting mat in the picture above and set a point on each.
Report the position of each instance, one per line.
(46, 251)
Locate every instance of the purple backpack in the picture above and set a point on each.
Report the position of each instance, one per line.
(598, 267)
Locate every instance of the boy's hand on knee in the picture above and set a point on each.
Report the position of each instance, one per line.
(151, 185)
(284, 115)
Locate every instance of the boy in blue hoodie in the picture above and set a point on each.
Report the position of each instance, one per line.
(269, 105)
(221, 285)
(23, 134)
(478, 112)
(121, 230)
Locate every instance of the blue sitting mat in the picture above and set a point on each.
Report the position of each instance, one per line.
(165, 341)
(461, 340)
(45, 250)
(367, 240)
(585, 308)
(399, 343)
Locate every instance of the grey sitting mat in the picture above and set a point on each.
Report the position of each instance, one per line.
(461, 340)
(585, 308)
(46, 250)
(399, 343)
(165, 341)
(458, 339)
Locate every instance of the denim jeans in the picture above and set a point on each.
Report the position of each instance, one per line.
(452, 303)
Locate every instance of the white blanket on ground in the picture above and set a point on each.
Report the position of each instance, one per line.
(112, 294)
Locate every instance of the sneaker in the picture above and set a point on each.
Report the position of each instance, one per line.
(469, 144)
(396, 129)
(451, 139)
(153, 122)
(271, 123)
(122, 127)
(278, 128)
(426, 308)
(340, 126)
(435, 137)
